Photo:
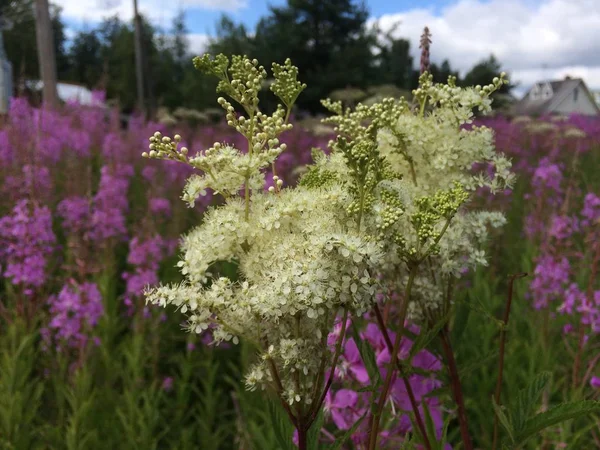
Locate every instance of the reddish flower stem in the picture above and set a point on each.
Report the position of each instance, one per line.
(376, 416)
(456, 388)
(302, 443)
(409, 390)
(502, 349)
(581, 336)
(338, 350)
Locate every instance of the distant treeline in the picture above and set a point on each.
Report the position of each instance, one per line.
(329, 40)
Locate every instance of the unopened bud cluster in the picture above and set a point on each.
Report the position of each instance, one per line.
(420, 161)
(163, 147)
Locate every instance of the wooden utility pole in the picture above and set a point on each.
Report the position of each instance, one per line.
(46, 56)
(139, 60)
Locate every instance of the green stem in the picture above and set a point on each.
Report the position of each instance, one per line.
(422, 110)
(247, 199)
(361, 206)
(437, 240)
(412, 172)
(299, 407)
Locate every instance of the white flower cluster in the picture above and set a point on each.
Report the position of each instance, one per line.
(298, 266)
(437, 166)
(434, 147)
(386, 202)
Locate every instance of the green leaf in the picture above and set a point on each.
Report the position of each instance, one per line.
(367, 389)
(342, 439)
(554, 416)
(368, 357)
(312, 439)
(528, 398)
(461, 318)
(504, 420)
(479, 362)
(429, 428)
(444, 438)
(282, 428)
(423, 339)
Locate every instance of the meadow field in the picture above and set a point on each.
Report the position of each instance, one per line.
(86, 224)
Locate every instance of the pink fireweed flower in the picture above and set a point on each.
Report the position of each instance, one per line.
(591, 209)
(551, 274)
(563, 227)
(74, 312)
(160, 206)
(26, 243)
(145, 256)
(167, 384)
(547, 175)
(342, 406)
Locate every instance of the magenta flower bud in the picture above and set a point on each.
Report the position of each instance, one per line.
(425, 43)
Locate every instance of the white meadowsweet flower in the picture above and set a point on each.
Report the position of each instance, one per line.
(389, 197)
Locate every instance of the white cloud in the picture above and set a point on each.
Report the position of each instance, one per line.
(159, 11)
(532, 40)
(198, 43)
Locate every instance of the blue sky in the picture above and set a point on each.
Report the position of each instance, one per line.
(201, 15)
(533, 39)
(200, 20)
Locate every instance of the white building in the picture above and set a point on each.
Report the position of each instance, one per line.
(596, 95)
(567, 96)
(6, 84)
(68, 92)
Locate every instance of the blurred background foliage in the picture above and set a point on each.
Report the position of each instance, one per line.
(330, 41)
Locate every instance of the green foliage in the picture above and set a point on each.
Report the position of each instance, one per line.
(20, 40)
(20, 389)
(521, 424)
(482, 73)
(281, 426)
(312, 438)
(116, 399)
(531, 353)
(330, 41)
(341, 440)
(80, 432)
(554, 416)
(368, 357)
(504, 419)
(528, 398)
(426, 337)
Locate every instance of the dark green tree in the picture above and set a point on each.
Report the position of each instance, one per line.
(393, 60)
(20, 40)
(231, 39)
(442, 72)
(327, 39)
(179, 45)
(85, 55)
(482, 73)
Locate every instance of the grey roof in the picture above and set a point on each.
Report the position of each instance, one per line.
(561, 89)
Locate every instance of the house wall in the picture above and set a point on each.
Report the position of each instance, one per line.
(577, 103)
(6, 88)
